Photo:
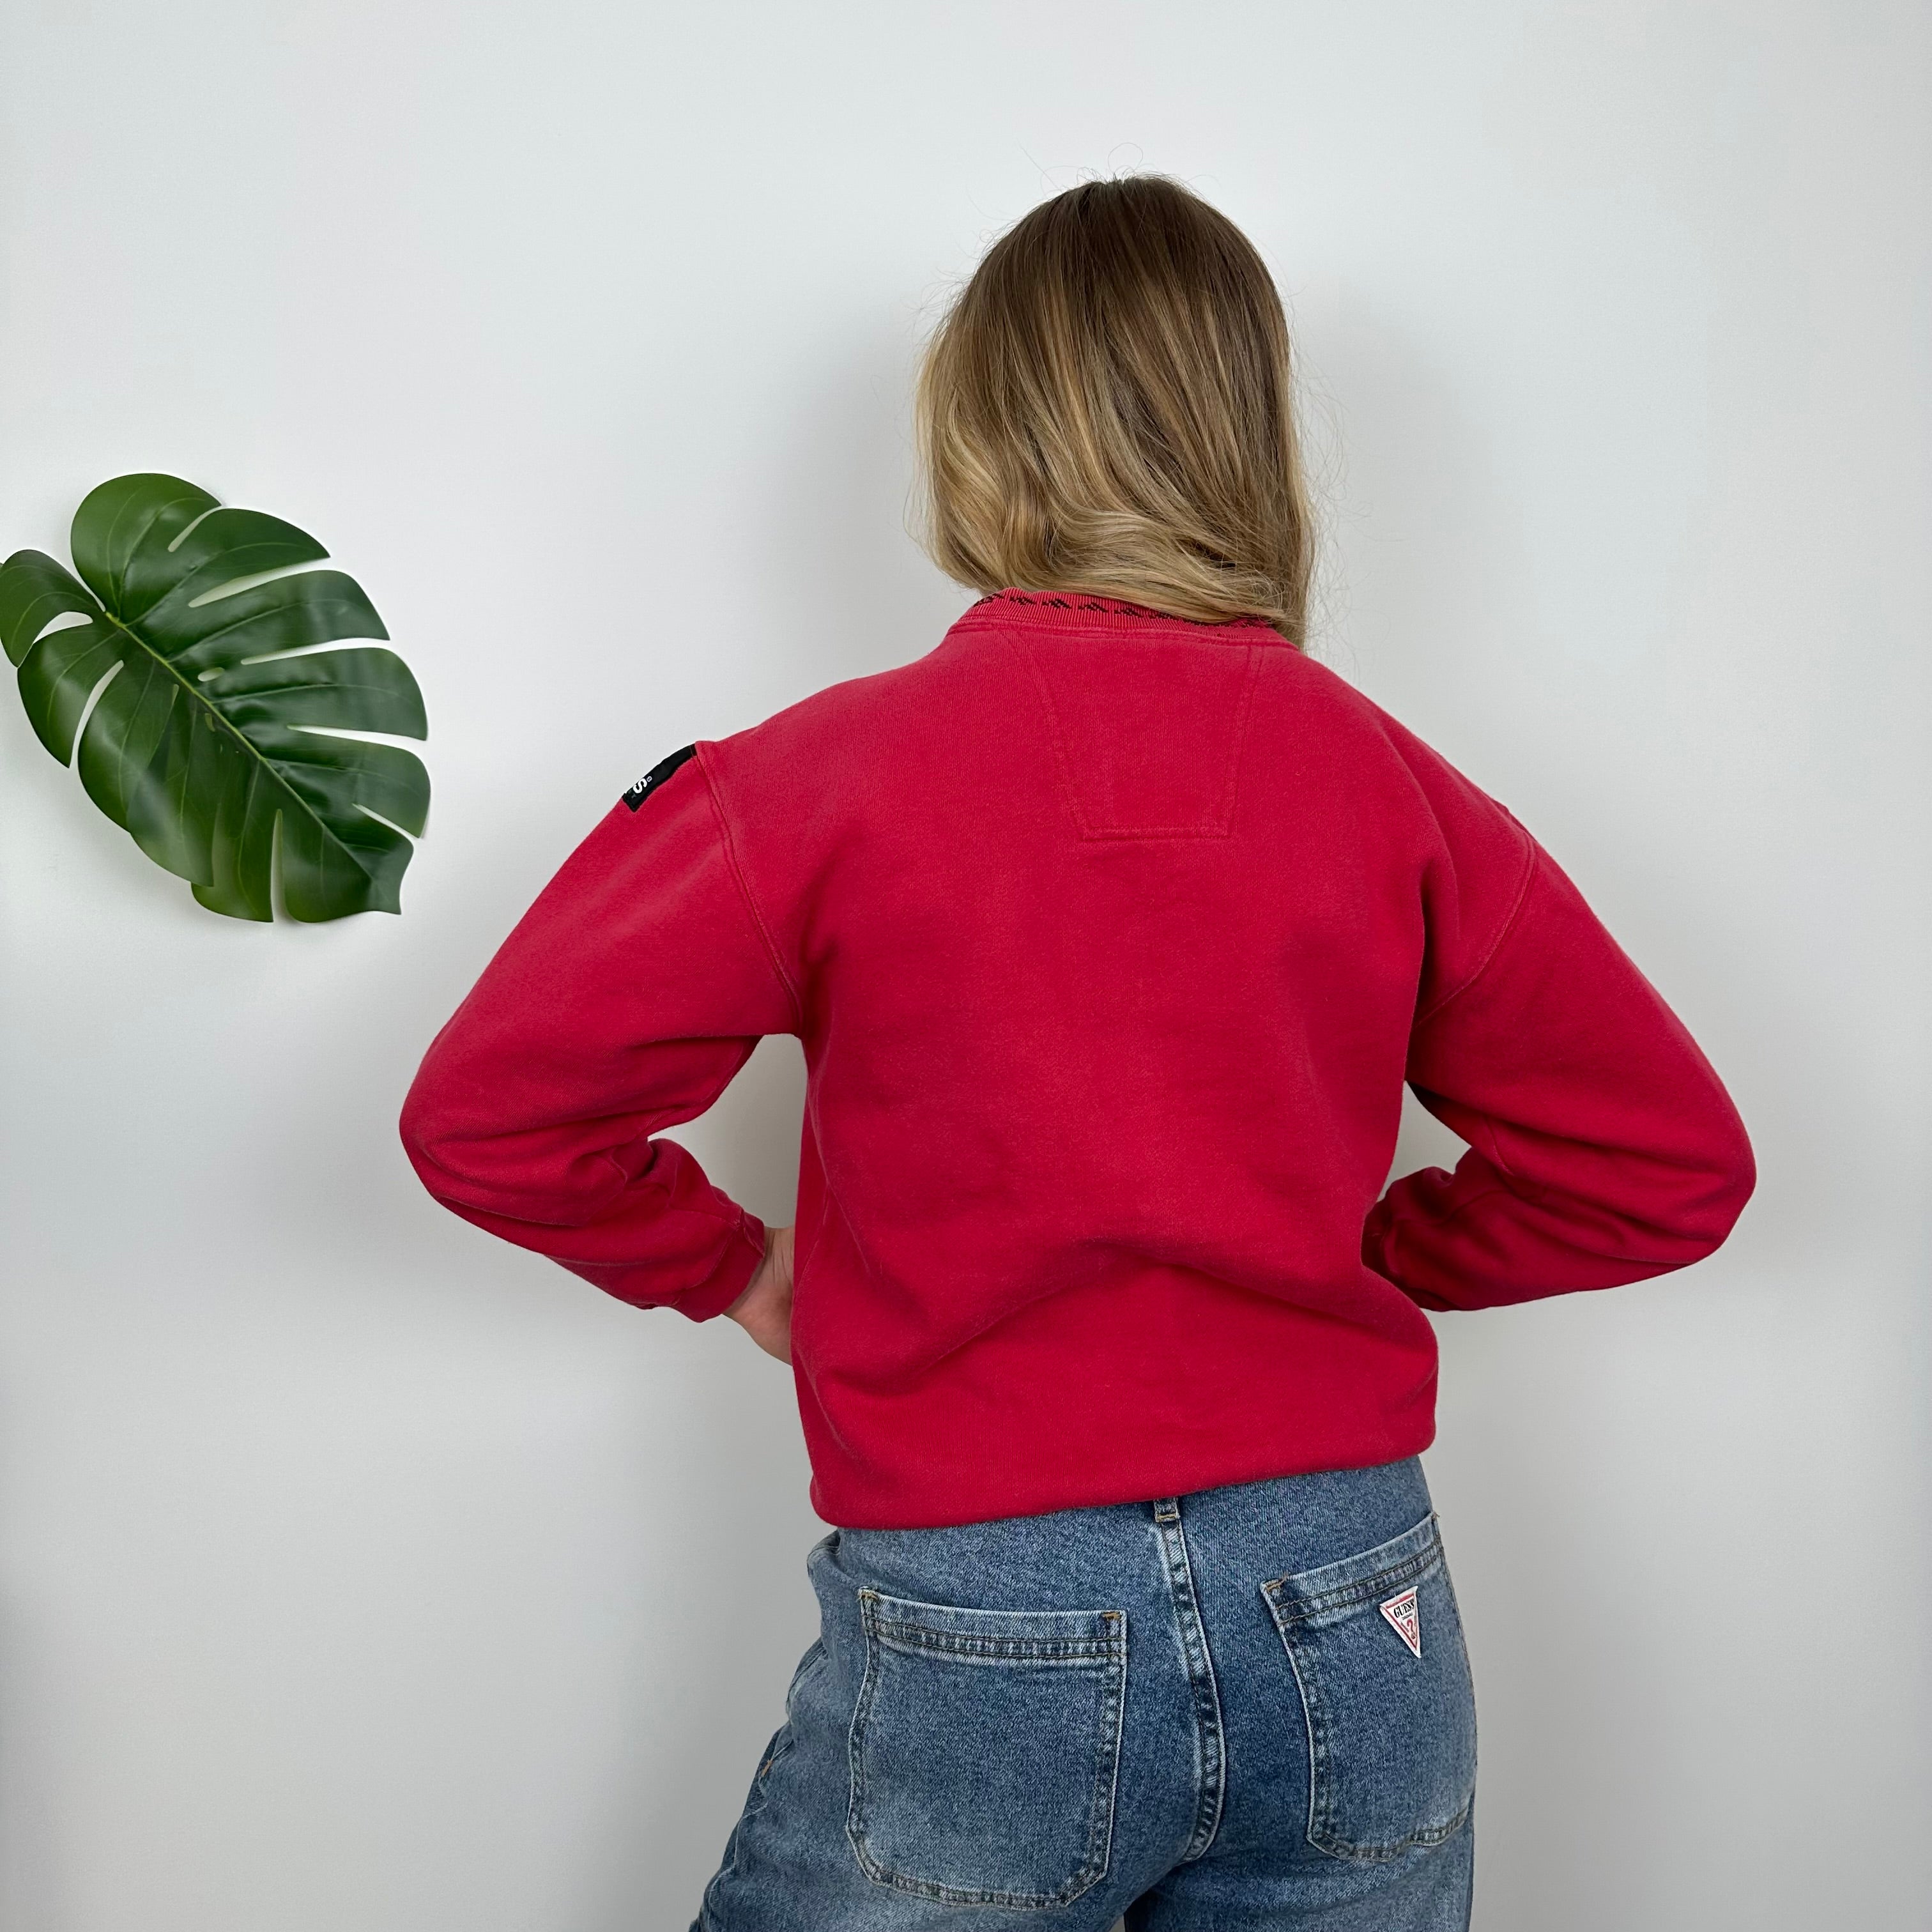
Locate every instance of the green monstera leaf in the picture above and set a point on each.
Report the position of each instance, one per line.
(213, 740)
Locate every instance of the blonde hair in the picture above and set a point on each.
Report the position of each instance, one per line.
(1108, 407)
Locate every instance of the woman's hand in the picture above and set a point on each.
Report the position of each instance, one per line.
(763, 1311)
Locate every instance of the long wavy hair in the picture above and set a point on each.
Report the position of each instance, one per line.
(1107, 406)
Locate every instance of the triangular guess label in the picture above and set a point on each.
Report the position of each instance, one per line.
(1404, 1618)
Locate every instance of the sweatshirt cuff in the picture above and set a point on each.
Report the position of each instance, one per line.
(733, 1275)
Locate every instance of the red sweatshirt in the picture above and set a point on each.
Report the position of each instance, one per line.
(1111, 939)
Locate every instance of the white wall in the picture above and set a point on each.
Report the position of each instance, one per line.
(360, 1574)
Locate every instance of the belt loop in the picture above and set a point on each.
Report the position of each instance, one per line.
(1167, 1510)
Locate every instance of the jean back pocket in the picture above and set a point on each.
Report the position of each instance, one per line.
(984, 1748)
(1376, 1641)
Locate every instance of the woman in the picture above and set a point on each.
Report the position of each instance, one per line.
(1112, 928)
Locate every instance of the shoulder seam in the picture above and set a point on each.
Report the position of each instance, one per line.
(1502, 933)
(783, 978)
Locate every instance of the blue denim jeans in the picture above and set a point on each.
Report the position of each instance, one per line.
(1249, 1707)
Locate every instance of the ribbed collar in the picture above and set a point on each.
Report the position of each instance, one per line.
(1082, 611)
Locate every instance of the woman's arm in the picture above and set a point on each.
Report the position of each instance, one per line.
(1603, 1147)
(627, 997)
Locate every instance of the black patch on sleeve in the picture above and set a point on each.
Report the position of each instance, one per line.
(656, 775)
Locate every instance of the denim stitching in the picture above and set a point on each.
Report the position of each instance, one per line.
(1289, 1613)
(1318, 1758)
(1321, 1832)
(1211, 1742)
(1112, 1651)
(1295, 1610)
(959, 1644)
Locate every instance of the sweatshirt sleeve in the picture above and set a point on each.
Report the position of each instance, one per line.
(1602, 1147)
(624, 1002)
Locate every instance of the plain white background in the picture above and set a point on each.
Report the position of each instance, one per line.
(361, 1574)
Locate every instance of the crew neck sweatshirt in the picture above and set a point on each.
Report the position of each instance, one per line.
(1111, 939)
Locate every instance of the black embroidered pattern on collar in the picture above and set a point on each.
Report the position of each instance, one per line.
(656, 775)
(1068, 600)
